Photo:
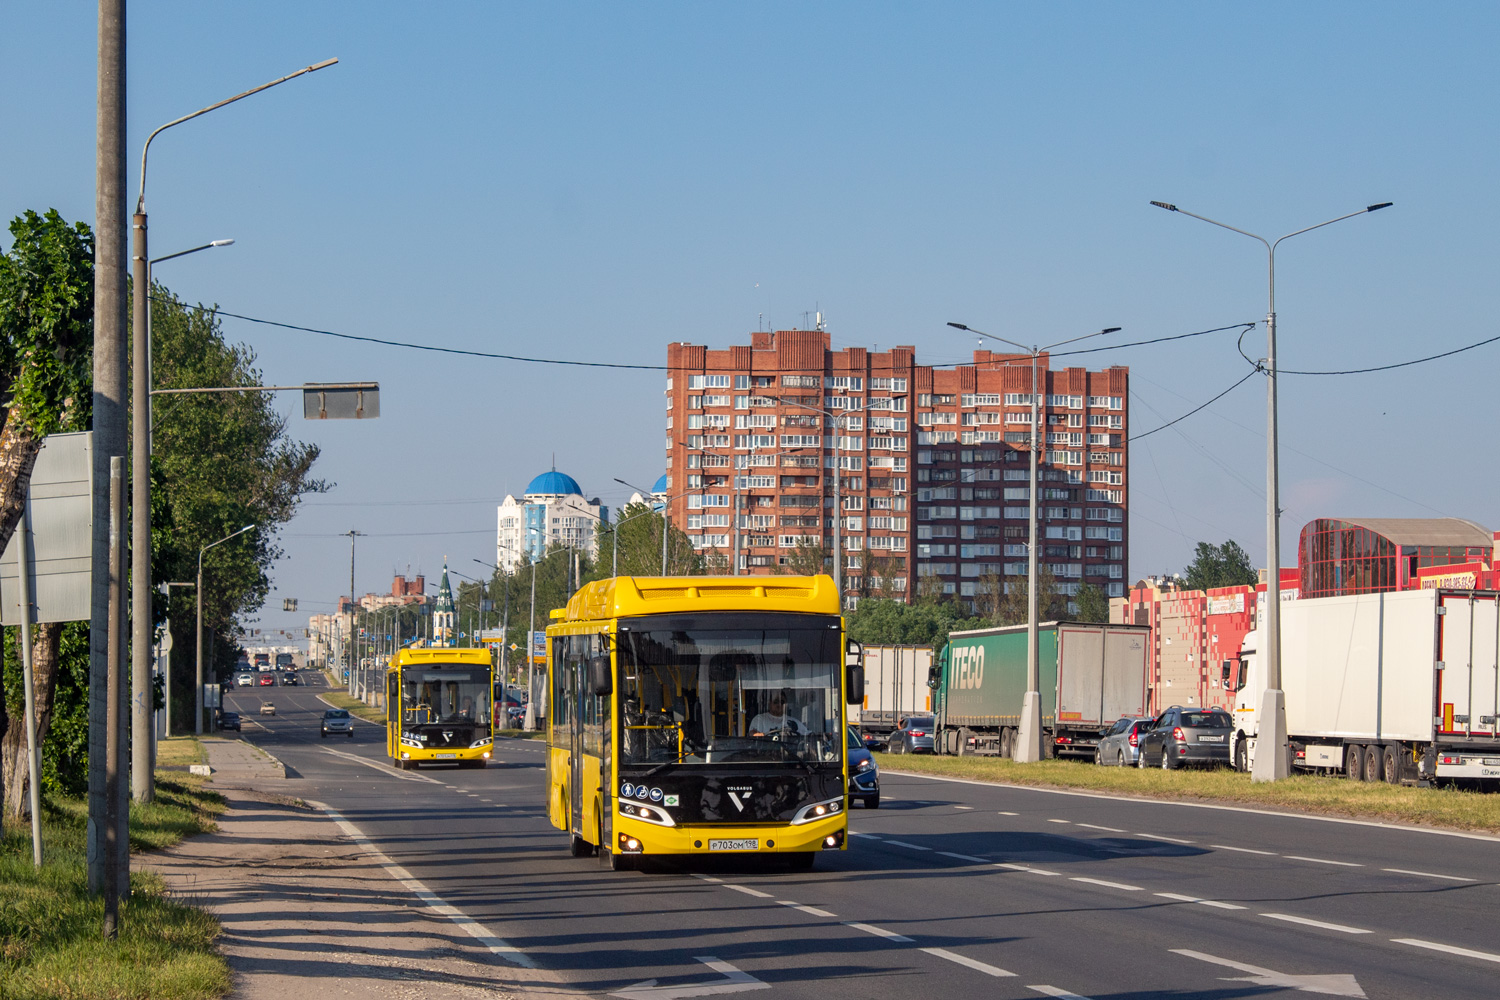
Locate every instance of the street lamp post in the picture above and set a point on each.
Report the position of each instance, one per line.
(1271, 720)
(140, 464)
(166, 591)
(1028, 748)
(198, 676)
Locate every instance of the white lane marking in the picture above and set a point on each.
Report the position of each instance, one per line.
(747, 890)
(1450, 878)
(1483, 956)
(1158, 836)
(972, 963)
(867, 836)
(434, 902)
(1064, 821)
(1107, 885)
(1337, 984)
(1308, 921)
(1241, 850)
(877, 931)
(1323, 861)
(963, 807)
(382, 768)
(1202, 902)
(1107, 829)
(1135, 800)
(707, 878)
(1024, 868)
(1053, 991)
(1002, 813)
(902, 843)
(806, 909)
(734, 981)
(965, 857)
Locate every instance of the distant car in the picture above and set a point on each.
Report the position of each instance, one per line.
(914, 735)
(336, 721)
(267, 680)
(873, 741)
(229, 720)
(291, 680)
(244, 679)
(266, 708)
(1187, 736)
(864, 773)
(1122, 744)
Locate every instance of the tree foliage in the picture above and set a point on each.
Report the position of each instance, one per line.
(1093, 605)
(1225, 565)
(887, 622)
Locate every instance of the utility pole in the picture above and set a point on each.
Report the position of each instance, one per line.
(109, 431)
(353, 646)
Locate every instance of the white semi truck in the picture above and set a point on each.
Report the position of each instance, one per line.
(895, 687)
(1396, 687)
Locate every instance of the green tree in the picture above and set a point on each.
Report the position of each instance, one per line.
(640, 530)
(809, 559)
(1093, 606)
(1011, 607)
(885, 622)
(46, 380)
(1225, 565)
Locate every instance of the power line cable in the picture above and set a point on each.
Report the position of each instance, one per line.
(1260, 365)
(1195, 409)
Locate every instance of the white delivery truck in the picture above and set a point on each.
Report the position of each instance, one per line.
(1396, 687)
(895, 687)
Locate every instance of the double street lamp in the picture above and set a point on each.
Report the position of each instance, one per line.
(1028, 748)
(1271, 764)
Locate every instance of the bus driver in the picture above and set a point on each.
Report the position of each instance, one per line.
(776, 720)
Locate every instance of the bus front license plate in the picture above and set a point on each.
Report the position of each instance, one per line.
(446, 756)
(734, 845)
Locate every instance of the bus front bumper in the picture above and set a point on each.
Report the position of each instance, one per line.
(422, 755)
(635, 837)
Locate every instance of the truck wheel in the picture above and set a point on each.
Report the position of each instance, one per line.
(1372, 763)
(1390, 766)
(1007, 743)
(1354, 762)
(1241, 755)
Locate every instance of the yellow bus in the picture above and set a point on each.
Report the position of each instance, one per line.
(700, 715)
(437, 707)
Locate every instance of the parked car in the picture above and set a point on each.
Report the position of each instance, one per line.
(1121, 746)
(913, 735)
(229, 720)
(1187, 736)
(336, 721)
(244, 679)
(267, 680)
(864, 773)
(266, 708)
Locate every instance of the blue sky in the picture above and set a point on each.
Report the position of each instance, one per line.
(592, 181)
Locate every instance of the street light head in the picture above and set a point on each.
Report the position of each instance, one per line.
(222, 243)
(1168, 206)
(1111, 329)
(1383, 204)
(959, 326)
(322, 65)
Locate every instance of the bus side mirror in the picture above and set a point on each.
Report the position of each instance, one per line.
(854, 691)
(1224, 674)
(600, 681)
(854, 654)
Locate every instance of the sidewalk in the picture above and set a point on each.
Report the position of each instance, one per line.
(307, 911)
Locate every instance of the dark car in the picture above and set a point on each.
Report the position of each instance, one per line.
(1121, 746)
(229, 720)
(914, 735)
(864, 773)
(290, 680)
(1187, 736)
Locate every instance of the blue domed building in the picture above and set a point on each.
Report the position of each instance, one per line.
(552, 513)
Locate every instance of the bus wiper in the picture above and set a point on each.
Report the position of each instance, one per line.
(686, 753)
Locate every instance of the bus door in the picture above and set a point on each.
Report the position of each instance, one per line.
(567, 728)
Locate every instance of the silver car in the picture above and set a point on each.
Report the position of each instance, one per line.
(1121, 746)
(336, 722)
(914, 735)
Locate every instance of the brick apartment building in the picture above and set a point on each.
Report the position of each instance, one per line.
(933, 463)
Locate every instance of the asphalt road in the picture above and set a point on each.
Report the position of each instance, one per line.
(949, 889)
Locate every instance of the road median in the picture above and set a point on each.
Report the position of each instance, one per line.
(1444, 808)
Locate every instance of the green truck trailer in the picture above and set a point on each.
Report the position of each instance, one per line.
(1089, 676)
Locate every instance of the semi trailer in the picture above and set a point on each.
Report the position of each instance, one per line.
(895, 687)
(1397, 687)
(1089, 676)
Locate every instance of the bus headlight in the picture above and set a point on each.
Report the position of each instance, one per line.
(818, 810)
(479, 743)
(629, 845)
(649, 814)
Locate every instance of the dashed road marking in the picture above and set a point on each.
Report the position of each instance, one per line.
(972, 963)
(965, 857)
(963, 807)
(1158, 836)
(1106, 829)
(1323, 861)
(867, 836)
(747, 890)
(1053, 991)
(1241, 850)
(1107, 885)
(1309, 922)
(878, 931)
(1483, 956)
(1024, 868)
(1201, 902)
(1064, 821)
(1002, 813)
(805, 909)
(1450, 878)
(902, 843)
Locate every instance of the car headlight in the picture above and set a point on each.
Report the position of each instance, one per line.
(818, 810)
(868, 764)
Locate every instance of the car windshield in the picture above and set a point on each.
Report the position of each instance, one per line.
(1206, 720)
(336, 713)
(855, 743)
(730, 688)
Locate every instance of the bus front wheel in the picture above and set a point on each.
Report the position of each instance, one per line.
(621, 862)
(579, 847)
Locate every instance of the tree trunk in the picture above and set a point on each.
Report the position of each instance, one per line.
(18, 451)
(46, 661)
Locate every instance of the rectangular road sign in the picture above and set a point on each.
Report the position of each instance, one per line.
(341, 400)
(62, 517)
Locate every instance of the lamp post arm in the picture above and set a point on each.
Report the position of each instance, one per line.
(141, 200)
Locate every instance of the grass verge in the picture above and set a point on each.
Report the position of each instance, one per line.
(341, 699)
(50, 946)
(179, 751)
(1447, 807)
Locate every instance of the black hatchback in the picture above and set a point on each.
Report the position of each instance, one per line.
(1187, 736)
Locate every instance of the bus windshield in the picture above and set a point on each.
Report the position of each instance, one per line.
(732, 688)
(440, 693)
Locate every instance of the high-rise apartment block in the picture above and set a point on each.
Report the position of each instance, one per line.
(932, 464)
